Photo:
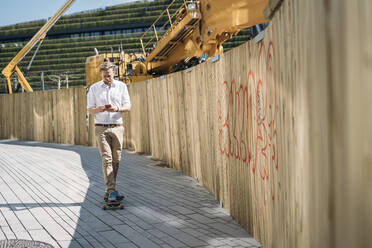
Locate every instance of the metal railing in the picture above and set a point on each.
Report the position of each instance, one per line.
(173, 19)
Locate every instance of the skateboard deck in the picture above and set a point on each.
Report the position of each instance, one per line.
(113, 205)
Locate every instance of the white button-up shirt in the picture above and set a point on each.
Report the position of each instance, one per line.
(100, 94)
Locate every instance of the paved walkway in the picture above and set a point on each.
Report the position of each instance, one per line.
(53, 193)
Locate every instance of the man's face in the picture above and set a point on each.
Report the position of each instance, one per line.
(107, 76)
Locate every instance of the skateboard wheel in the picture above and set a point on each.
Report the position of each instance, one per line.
(121, 206)
(104, 207)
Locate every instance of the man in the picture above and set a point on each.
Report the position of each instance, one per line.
(106, 100)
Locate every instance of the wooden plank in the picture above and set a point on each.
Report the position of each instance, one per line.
(172, 98)
(68, 122)
(127, 124)
(350, 45)
(2, 117)
(23, 120)
(3, 114)
(202, 123)
(192, 123)
(40, 110)
(155, 120)
(71, 117)
(220, 73)
(11, 127)
(9, 104)
(6, 116)
(62, 117)
(46, 121)
(54, 115)
(133, 133)
(17, 115)
(164, 121)
(160, 143)
(31, 117)
(151, 109)
(59, 116)
(183, 138)
(92, 136)
(75, 107)
(211, 82)
(189, 167)
(145, 133)
(139, 114)
(83, 121)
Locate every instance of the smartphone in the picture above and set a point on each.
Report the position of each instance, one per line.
(108, 106)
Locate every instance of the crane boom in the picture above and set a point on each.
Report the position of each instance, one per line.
(197, 28)
(12, 66)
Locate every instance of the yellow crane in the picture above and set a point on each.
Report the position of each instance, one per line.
(39, 36)
(198, 27)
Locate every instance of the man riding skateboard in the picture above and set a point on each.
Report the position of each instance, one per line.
(107, 100)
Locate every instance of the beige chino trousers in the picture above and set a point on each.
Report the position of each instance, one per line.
(110, 143)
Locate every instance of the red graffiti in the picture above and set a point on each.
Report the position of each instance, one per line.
(247, 112)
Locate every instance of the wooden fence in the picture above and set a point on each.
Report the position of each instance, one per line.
(47, 116)
(278, 131)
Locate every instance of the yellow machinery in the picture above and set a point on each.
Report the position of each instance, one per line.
(39, 36)
(130, 67)
(196, 28)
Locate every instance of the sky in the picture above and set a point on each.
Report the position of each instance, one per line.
(17, 11)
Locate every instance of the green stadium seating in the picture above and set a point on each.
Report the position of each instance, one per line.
(61, 56)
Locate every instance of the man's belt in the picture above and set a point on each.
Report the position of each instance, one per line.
(107, 125)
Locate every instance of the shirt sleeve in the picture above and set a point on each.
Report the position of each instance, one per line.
(91, 100)
(125, 97)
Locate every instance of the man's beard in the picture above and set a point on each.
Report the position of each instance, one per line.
(108, 81)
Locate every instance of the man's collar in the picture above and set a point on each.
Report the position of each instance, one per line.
(113, 85)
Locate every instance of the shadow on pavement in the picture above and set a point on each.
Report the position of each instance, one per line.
(163, 208)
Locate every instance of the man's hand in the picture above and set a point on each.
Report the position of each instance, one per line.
(112, 109)
(97, 110)
(101, 109)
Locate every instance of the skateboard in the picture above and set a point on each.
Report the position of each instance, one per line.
(113, 205)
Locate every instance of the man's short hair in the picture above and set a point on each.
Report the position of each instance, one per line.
(106, 65)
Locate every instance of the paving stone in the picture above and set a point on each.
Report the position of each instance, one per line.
(166, 246)
(28, 220)
(43, 236)
(85, 243)
(139, 222)
(234, 231)
(99, 240)
(196, 232)
(23, 235)
(135, 237)
(2, 220)
(157, 233)
(201, 219)
(126, 245)
(251, 241)
(173, 242)
(114, 237)
(2, 235)
(8, 232)
(215, 242)
(53, 193)
(69, 244)
(188, 239)
(182, 210)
